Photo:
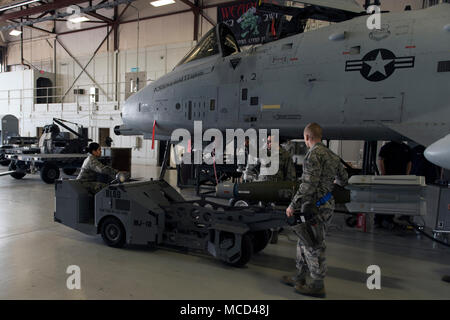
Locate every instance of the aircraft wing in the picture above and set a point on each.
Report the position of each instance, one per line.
(345, 5)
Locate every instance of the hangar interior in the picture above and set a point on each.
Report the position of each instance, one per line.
(83, 72)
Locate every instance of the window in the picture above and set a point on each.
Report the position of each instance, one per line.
(212, 105)
(443, 66)
(208, 46)
(254, 101)
(177, 106)
(103, 134)
(39, 132)
(44, 91)
(244, 94)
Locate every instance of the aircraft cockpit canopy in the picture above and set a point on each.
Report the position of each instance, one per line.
(228, 41)
(209, 45)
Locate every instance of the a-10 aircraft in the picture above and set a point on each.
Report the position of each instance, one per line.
(357, 83)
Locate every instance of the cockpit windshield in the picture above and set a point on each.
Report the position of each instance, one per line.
(209, 45)
(229, 43)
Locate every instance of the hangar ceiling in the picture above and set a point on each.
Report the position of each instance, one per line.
(50, 17)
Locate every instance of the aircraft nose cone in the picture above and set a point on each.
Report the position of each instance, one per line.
(439, 152)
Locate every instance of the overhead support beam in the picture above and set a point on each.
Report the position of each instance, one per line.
(116, 28)
(50, 45)
(83, 69)
(216, 5)
(100, 17)
(36, 28)
(123, 11)
(198, 10)
(41, 15)
(87, 64)
(58, 15)
(117, 18)
(211, 21)
(90, 21)
(196, 23)
(128, 21)
(157, 16)
(39, 9)
(81, 30)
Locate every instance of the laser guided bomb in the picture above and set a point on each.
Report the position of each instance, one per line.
(277, 192)
(154, 213)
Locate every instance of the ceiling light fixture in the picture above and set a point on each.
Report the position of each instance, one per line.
(160, 3)
(18, 5)
(15, 33)
(79, 19)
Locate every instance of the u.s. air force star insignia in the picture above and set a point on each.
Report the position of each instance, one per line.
(379, 64)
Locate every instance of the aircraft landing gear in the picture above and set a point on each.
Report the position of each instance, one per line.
(370, 158)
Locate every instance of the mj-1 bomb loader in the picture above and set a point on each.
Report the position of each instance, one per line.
(153, 213)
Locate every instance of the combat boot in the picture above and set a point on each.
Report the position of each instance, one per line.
(293, 280)
(315, 289)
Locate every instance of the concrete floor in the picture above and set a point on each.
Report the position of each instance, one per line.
(35, 252)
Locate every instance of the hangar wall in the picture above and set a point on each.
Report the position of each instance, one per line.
(162, 43)
(16, 95)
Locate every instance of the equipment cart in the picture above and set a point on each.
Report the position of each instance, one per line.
(154, 213)
(48, 165)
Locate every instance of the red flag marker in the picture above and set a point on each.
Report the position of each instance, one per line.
(153, 135)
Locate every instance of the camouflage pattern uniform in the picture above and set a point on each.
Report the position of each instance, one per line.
(286, 168)
(320, 168)
(91, 170)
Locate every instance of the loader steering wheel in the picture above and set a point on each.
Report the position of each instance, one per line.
(121, 177)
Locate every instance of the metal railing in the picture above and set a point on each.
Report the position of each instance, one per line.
(80, 94)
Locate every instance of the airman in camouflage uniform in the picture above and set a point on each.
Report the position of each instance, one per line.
(321, 167)
(286, 172)
(286, 168)
(92, 168)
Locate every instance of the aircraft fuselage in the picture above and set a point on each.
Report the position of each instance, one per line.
(359, 84)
